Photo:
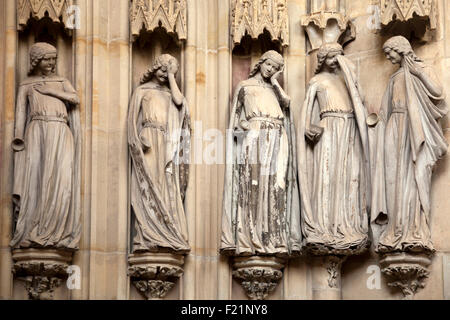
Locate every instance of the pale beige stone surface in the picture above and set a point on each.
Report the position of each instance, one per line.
(105, 66)
(446, 274)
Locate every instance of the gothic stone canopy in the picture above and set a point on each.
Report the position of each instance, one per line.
(151, 14)
(404, 10)
(253, 17)
(57, 10)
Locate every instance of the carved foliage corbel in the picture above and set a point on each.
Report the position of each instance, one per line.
(41, 270)
(155, 274)
(258, 276)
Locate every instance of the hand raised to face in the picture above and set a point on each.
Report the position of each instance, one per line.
(276, 75)
(172, 68)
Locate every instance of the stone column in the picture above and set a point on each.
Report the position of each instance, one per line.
(223, 106)
(296, 280)
(103, 82)
(202, 205)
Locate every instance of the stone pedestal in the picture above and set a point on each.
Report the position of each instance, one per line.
(259, 276)
(326, 277)
(42, 270)
(155, 274)
(406, 271)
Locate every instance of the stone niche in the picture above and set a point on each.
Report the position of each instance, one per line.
(257, 27)
(157, 28)
(40, 273)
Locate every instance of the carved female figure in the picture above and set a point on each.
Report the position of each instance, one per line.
(47, 157)
(159, 142)
(261, 191)
(410, 141)
(334, 158)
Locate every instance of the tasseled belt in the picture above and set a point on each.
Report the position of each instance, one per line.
(154, 125)
(50, 118)
(268, 119)
(343, 114)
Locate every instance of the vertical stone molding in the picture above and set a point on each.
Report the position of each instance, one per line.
(404, 10)
(42, 270)
(155, 274)
(168, 14)
(327, 22)
(406, 271)
(253, 17)
(259, 276)
(56, 10)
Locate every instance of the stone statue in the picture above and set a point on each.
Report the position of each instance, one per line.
(47, 148)
(261, 203)
(334, 159)
(159, 142)
(409, 142)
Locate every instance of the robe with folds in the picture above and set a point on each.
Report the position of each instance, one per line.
(334, 166)
(160, 172)
(47, 178)
(261, 200)
(409, 142)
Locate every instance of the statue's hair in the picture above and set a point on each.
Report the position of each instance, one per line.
(161, 61)
(323, 53)
(37, 52)
(272, 55)
(402, 46)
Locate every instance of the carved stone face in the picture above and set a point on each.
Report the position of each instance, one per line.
(268, 68)
(393, 56)
(331, 60)
(47, 64)
(161, 75)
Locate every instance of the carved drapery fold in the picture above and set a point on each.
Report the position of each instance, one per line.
(327, 23)
(404, 10)
(151, 14)
(56, 10)
(253, 17)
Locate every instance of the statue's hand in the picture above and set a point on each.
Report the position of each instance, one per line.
(42, 89)
(314, 133)
(145, 143)
(173, 67)
(413, 67)
(245, 125)
(275, 76)
(18, 144)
